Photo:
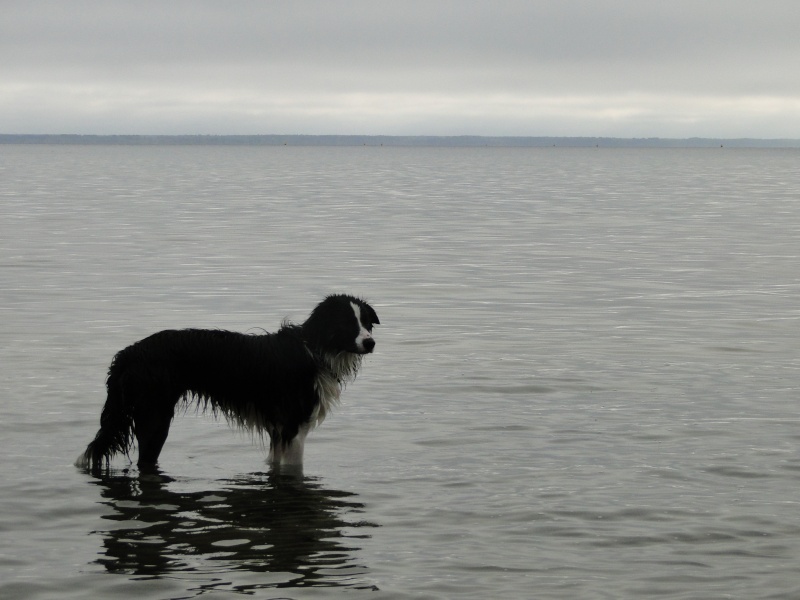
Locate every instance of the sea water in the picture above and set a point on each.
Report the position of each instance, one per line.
(585, 383)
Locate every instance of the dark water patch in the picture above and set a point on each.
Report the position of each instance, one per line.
(730, 349)
(503, 389)
(500, 428)
(738, 472)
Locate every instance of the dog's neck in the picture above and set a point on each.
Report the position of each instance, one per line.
(343, 366)
(335, 371)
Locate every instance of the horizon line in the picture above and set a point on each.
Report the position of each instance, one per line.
(465, 140)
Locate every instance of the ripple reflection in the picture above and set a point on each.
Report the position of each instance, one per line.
(266, 529)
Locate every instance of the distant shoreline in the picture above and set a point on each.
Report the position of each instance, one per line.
(392, 140)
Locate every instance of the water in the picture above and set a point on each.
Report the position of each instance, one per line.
(585, 384)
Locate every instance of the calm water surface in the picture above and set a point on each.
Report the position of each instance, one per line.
(585, 385)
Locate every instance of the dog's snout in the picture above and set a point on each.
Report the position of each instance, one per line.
(369, 344)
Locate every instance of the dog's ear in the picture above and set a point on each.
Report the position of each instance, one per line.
(370, 315)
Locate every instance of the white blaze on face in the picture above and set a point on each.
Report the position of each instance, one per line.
(363, 334)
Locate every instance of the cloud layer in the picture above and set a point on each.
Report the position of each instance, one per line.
(718, 68)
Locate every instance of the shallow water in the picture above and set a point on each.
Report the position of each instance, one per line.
(585, 384)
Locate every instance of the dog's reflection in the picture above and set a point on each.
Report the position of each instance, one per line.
(279, 523)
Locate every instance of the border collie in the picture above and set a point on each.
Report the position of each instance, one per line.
(282, 384)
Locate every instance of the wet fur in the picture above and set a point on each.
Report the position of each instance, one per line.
(280, 384)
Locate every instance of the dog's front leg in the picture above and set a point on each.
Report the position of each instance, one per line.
(151, 429)
(287, 453)
(293, 451)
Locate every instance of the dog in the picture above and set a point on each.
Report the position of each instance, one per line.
(282, 384)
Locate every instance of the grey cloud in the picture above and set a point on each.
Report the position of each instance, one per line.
(192, 55)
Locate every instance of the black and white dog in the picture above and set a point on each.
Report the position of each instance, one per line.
(282, 384)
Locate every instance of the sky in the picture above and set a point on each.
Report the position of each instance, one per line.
(615, 68)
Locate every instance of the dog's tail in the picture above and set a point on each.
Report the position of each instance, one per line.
(116, 426)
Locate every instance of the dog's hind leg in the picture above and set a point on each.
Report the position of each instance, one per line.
(275, 446)
(152, 428)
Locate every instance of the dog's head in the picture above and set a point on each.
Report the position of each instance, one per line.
(342, 323)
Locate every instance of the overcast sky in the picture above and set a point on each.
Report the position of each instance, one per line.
(623, 68)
